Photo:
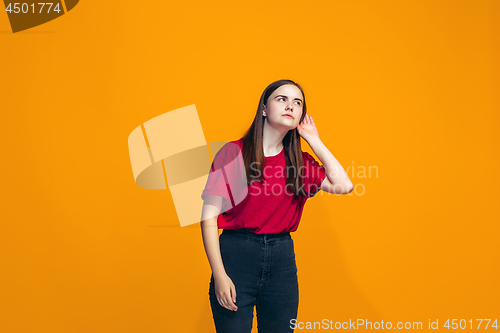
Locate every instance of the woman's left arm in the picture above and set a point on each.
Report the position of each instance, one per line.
(337, 181)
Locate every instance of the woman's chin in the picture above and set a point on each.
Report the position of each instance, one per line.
(289, 125)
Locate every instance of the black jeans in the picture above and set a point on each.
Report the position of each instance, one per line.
(264, 273)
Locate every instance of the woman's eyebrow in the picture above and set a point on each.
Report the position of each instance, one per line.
(287, 97)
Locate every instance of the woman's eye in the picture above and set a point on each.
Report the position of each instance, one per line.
(280, 98)
(298, 103)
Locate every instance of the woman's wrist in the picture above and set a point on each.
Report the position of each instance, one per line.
(219, 273)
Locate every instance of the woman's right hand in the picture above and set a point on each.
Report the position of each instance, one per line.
(225, 292)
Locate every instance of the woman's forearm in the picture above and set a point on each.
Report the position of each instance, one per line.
(334, 170)
(210, 234)
(211, 241)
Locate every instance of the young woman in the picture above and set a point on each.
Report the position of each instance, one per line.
(256, 192)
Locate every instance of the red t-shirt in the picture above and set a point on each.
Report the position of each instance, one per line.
(267, 207)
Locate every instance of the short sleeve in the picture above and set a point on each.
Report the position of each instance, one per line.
(314, 174)
(225, 178)
(217, 179)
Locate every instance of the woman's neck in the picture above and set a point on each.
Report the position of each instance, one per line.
(272, 140)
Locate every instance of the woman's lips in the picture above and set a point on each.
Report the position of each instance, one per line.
(287, 115)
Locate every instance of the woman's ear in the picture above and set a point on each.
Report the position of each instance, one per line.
(264, 110)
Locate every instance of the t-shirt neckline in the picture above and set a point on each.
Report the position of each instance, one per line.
(275, 156)
(267, 158)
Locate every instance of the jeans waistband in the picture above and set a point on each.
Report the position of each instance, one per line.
(254, 235)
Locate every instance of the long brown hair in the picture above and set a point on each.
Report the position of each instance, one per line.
(253, 150)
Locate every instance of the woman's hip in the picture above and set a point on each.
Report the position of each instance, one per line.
(257, 255)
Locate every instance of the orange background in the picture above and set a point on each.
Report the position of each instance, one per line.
(410, 88)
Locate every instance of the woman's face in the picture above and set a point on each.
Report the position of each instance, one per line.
(284, 107)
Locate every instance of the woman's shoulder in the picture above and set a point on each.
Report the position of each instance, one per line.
(308, 158)
(235, 145)
(230, 150)
(238, 142)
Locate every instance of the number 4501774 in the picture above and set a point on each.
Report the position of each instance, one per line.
(36, 9)
(462, 324)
